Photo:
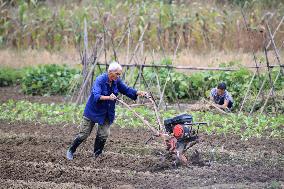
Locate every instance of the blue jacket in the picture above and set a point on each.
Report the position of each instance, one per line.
(98, 110)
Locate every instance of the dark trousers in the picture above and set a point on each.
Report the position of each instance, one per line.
(86, 127)
(222, 100)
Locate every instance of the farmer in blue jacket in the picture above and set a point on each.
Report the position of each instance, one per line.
(100, 108)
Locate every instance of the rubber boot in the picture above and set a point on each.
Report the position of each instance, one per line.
(99, 146)
(72, 149)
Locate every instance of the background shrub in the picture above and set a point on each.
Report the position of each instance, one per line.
(56, 79)
(199, 84)
(47, 80)
(10, 76)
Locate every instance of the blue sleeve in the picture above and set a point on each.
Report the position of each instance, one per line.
(128, 91)
(97, 89)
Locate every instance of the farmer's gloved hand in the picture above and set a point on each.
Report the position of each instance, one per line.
(112, 97)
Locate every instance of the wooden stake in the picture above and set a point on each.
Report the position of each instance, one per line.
(269, 75)
(262, 109)
(248, 89)
(174, 57)
(87, 78)
(274, 33)
(256, 98)
(275, 48)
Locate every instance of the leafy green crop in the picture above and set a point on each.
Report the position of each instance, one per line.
(42, 113)
(260, 126)
(9, 76)
(56, 79)
(48, 80)
(199, 84)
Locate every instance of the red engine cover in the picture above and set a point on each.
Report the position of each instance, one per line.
(178, 131)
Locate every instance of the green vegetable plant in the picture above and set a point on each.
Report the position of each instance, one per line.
(47, 80)
(242, 125)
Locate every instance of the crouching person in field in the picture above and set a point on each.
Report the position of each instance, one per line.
(221, 97)
(100, 108)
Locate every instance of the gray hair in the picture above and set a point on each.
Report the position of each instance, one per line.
(114, 66)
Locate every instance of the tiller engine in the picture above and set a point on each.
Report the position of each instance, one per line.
(183, 134)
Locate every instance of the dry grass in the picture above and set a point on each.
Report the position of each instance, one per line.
(215, 58)
(19, 59)
(24, 58)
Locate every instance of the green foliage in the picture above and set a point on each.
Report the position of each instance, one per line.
(42, 113)
(245, 126)
(237, 83)
(9, 76)
(260, 126)
(55, 79)
(47, 80)
(274, 185)
(177, 83)
(199, 84)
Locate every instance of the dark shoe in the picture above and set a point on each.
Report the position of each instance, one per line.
(69, 155)
(97, 153)
(75, 144)
(99, 146)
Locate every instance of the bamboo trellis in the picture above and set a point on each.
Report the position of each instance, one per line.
(268, 41)
(135, 63)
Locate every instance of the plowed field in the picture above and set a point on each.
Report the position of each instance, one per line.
(33, 156)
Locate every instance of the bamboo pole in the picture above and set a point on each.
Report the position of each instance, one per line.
(275, 48)
(196, 68)
(252, 109)
(157, 78)
(124, 73)
(139, 74)
(148, 88)
(269, 74)
(140, 39)
(160, 41)
(256, 98)
(248, 89)
(216, 107)
(122, 39)
(88, 77)
(136, 48)
(253, 52)
(274, 33)
(161, 126)
(173, 59)
(128, 43)
(172, 85)
(269, 94)
(85, 53)
(174, 92)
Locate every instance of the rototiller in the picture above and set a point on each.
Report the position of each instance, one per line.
(182, 136)
(179, 133)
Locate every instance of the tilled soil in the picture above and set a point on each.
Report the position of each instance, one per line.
(15, 93)
(33, 156)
